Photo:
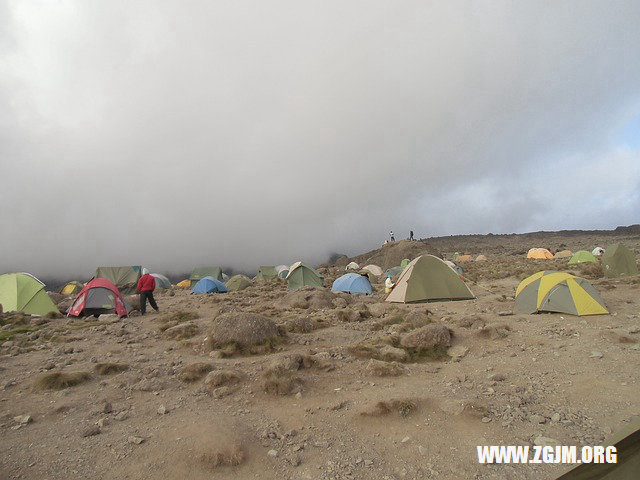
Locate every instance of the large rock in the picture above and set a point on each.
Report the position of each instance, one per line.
(434, 335)
(241, 329)
(393, 354)
(342, 261)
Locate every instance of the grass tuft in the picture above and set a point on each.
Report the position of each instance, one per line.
(60, 380)
(110, 368)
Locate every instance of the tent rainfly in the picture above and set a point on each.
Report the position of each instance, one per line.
(124, 278)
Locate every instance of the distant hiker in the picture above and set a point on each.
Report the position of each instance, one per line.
(410, 234)
(393, 239)
(146, 286)
(388, 284)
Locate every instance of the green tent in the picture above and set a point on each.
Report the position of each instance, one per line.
(125, 278)
(582, 256)
(21, 292)
(426, 279)
(618, 260)
(405, 262)
(301, 275)
(238, 282)
(627, 466)
(268, 272)
(199, 273)
(393, 271)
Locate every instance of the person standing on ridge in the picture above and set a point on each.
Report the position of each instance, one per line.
(146, 286)
(393, 239)
(410, 234)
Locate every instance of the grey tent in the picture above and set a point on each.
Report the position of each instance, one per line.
(161, 281)
(125, 278)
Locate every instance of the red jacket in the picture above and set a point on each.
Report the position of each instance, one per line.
(147, 283)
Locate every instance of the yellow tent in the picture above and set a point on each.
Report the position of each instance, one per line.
(184, 284)
(481, 258)
(563, 254)
(540, 253)
(560, 292)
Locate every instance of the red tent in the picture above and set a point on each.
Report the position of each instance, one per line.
(97, 297)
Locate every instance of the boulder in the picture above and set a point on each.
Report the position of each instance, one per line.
(241, 329)
(430, 336)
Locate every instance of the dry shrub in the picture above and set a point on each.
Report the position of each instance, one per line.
(110, 368)
(472, 321)
(591, 270)
(243, 330)
(356, 314)
(370, 347)
(226, 457)
(60, 380)
(379, 368)
(385, 322)
(183, 316)
(221, 378)
(181, 331)
(300, 325)
(52, 315)
(401, 406)
(495, 332)
(280, 381)
(195, 371)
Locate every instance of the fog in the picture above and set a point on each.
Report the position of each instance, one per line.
(175, 134)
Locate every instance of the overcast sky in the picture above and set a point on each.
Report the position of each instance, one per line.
(174, 134)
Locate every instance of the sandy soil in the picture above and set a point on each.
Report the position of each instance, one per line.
(512, 379)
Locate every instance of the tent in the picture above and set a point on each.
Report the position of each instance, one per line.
(404, 262)
(393, 271)
(597, 251)
(280, 268)
(71, 288)
(186, 283)
(463, 258)
(352, 266)
(455, 267)
(627, 466)
(209, 285)
(618, 260)
(22, 292)
(539, 253)
(563, 254)
(99, 296)
(125, 278)
(582, 256)
(161, 281)
(481, 258)
(352, 283)
(199, 273)
(376, 270)
(428, 278)
(561, 292)
(301, 275)
(238, 282)
(225, 277)
(268, 272)
(282, 274)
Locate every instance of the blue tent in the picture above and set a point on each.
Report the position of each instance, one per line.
(209, 285)
(352, 283)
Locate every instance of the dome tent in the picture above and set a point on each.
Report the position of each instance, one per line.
(71, 288)
(99, 296)
(161, 281)
(209, 285)
(352, 266)
(300, 275)
(238, 282)
(405, 262)
(597, 251)
(563, 254)
(375, 269)
(186, 283)
(124, 278)
(352, 283)
(582, 256)
(427, 278)
(22, 292)
(561, 292)
(539, 253)
(267, 272)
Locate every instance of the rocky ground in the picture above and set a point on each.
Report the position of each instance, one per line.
(265, 383)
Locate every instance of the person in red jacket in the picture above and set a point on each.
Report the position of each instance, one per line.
(146, 286)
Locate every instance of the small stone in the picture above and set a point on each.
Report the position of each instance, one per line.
(405, 439)
(107, 408)
(102, 422)
(23, 419)
(135, 440)
(422, 450)
(122, 416)
(498, 377)
(162, 410)
(505, 313)
(272, 453)
(457, 352)
(555, 417)
(535, 418)
(596, 354)
(546, 441)
(486, 419)
(299, 395)
(91, 431)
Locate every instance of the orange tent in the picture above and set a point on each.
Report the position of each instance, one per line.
(541, 253)
(463, 258)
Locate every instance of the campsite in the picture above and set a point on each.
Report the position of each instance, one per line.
(318, 374)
